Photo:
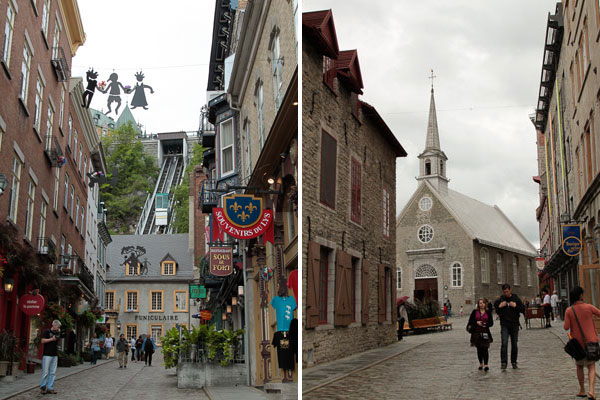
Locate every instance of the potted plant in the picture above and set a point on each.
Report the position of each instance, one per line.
(8, 344)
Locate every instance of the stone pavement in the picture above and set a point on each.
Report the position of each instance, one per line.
(442, 365)
(107, 381)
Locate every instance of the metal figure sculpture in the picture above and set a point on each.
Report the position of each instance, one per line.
(115, 92)
(139, 96)
(92, 83)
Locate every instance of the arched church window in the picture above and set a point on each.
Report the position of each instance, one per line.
(425, 271)
(427, 167)
(425, 203)
(516, 270)
(499, 267)
(425, 234)
(456, 275)
(485, 271)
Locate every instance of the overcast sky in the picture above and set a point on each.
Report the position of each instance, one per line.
(170, 43)
(487, 57)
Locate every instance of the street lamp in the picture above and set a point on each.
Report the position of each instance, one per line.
(234, 301)
(3, 183)
(228, 309)
(240, 290)
(118, 326)
(9, 285)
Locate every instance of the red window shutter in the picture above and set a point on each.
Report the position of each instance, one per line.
(381, 282)
(393, 296)
(312, 285)
(328, 169)
(343, 281)
(364, 295)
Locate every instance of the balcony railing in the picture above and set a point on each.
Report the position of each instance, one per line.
(85, 275)
(47, 250)
(73, 265)
(53, 151)
(59, 62)
(208, 197)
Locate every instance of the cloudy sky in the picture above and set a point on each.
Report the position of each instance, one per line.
(487, 57)
(169, 43)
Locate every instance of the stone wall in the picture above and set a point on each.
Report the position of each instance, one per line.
(197, 376)
(322, 109)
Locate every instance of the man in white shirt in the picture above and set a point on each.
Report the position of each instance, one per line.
(554, 304)
(547, 307)
(108, 344)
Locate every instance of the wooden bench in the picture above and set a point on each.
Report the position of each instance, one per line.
(425, 324)
(445, 324)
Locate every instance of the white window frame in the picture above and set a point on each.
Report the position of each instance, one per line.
(499, 267)
(43, 210)
(277, 69)
(229, 147)
(424, 232)
(398, 278)
(61, 112)
(260, 109)
(66, 198)
(45, 18)
(425, 203)
(25, 71)
(485, 265)
(77, 203)
(72, 201)
(56, 42)
(39, 96)
(49, 125)
(529, 274)
(75, 140)
(14, 190)
(456, 283)
(515, 266)
(9, 29)
(30, 210)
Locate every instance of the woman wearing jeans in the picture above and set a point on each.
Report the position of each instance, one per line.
(95, 348)
(584, 314)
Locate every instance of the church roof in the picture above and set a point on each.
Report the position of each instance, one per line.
(484, 223)
(125, 117)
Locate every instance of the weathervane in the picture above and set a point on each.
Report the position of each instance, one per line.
(432, 77)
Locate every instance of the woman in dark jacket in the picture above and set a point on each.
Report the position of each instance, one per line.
(479, 325)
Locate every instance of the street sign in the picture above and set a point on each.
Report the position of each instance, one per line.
(197, 292)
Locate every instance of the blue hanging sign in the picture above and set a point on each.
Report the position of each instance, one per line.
(571, 240)
(242, 210)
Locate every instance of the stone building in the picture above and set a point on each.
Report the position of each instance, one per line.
(453, 247)
(567, 130)
(349, 190)
(148, 282)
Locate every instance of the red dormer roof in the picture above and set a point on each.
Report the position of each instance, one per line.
(348, 69)
(370, 112)
(319, 27)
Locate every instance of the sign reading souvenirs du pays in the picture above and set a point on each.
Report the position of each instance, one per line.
(243, 217)
(221, 261)
(571, 240)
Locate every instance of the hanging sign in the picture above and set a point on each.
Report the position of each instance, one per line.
(243, 217)
(32, 304)
(205, 315)
(197, 292)
(571, 240)
(540, 262)
(221, 261)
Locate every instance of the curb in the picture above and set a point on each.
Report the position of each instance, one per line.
(207, 393)
(64, 376)
(337, 378)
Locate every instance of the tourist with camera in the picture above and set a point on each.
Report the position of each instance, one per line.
(50, 339)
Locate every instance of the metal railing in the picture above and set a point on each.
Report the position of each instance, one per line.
(47, 249)
(59, 62)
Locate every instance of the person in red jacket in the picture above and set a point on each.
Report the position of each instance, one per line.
(584, 314)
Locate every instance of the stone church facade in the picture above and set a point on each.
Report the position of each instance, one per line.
(453, 247)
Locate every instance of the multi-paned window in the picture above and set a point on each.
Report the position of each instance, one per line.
(70, 130)
(14, 189)
(77, 213)
(49, 126)
(156, 332)
(399, 278)
(39, 94)
(328, 71)
(168, 268)
(110, 300)
(499, 267)
(485, 270)
(75, 146)
(277, 69)
(61, 111)
(156, 301)
(456, 275)
(66, 198)
(43, 210)
(181, 301)
(56, 42)
(9, 29)
(72, 201)
(386, 213)
(515, 270)
(132, 300)
(80, 156)
(260, 109)
(25, 68)
(132, 331)
(45, 17)
(425, 233)
(227, 154)
(132, 269)
(30, 209)
(355, 191)
(328, 169)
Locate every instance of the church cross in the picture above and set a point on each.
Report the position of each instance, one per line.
(432, 77)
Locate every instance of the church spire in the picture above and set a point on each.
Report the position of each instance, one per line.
(432, 160)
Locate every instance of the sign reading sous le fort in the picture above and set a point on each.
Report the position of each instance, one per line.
(221, 261)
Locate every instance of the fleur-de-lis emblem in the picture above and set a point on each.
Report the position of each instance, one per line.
(235, 206)
(243, 216)
(250, 207)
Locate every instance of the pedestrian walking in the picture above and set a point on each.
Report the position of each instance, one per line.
(95, 348)
(402, 317)
(508, 307)
(449, 308)
(445, 312)
(579, 323)
(149, 348)
(132, 342)
(50, 358)
(462, 311)
(547, 307)
(121, 346)
(554, 305)
(478, 326)
(139, 349)
(108, 344)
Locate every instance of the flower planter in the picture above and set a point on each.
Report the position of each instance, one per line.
(4, 367)
(30, 367)
(15, 369)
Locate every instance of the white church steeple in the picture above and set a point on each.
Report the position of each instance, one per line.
(432, 161)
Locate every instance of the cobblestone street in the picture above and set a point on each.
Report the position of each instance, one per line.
(442, 365)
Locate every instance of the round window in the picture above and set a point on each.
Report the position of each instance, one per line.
(425, 203)
(425, 233)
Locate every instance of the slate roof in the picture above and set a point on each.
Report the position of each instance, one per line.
(125, 117)
(485, 223)
(157, 247)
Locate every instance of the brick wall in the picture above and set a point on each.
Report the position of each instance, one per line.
(358, 139)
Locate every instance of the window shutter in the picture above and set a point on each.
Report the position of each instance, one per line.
(381, 282)
(328, 169)
(343, 295)
(312, 285)
(393, 297)
(364, 295)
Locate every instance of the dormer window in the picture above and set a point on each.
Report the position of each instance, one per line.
(130, 269)
(168, 265)
(328, 71)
